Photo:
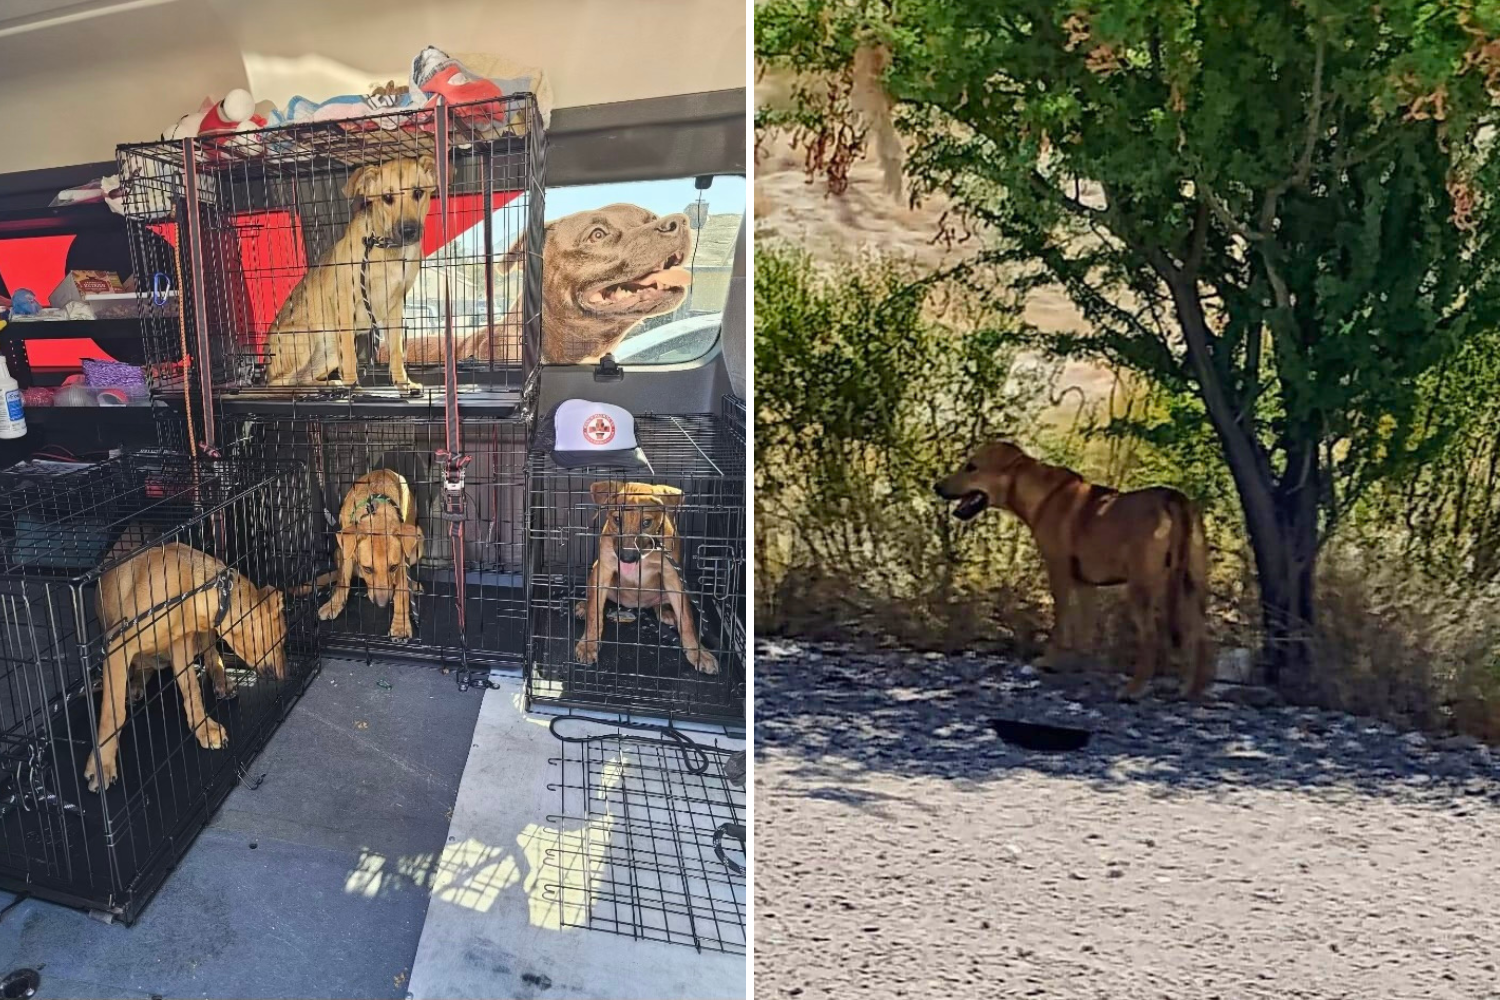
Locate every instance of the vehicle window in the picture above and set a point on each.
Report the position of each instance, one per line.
(674, 241)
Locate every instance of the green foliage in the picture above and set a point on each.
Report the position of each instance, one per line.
(1282, 209)
(864, 398)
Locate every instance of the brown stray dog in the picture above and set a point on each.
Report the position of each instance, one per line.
(175, 601)
(603, 271)
(378, 539)
(360, 283)
(639, 566)
(1150, 540)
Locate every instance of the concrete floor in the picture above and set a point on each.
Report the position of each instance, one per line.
(340, 876)
(274, 898)
(491, 931)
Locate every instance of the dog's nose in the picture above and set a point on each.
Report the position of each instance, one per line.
(630, 556)
(938, 489)
(411, 231)
(671, 224)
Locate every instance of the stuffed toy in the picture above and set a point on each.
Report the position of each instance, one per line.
(228, 125)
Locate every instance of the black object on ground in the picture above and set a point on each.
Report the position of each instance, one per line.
(1041, 737)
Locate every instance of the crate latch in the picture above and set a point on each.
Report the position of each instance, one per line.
(454, 497)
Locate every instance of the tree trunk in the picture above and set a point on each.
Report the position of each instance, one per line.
(1281, 518)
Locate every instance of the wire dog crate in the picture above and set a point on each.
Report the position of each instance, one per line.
(117, 584)
(471, 605)
(308, 247)
(652, 836)
(681, 525)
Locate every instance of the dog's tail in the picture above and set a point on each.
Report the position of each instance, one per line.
(1187, 584)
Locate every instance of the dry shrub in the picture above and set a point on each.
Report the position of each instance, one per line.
(1395, 643)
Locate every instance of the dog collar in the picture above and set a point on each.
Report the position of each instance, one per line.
(384, 242)
(371, 502)
(225, 586)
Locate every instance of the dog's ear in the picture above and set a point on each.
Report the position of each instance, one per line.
(604, 491)
(516, 255)
(428, 167)
(358, 186)
(411, 543)
(364, 550)
(670, 496)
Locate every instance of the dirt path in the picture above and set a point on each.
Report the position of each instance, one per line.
(1189, 852)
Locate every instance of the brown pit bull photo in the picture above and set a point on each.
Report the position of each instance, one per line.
(603, 271)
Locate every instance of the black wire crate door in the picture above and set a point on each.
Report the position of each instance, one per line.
(665, 634)
(653, 839)
(379, 516)
(150, 643)
(311, 248)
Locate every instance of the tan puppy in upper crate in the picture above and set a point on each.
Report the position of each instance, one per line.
(378, 539)
(639, 566)
(360, 284)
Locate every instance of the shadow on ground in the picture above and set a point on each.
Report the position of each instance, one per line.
(835, 713)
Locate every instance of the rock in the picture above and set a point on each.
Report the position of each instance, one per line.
(1234, 666)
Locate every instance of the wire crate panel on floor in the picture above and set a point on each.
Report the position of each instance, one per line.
(664, 633)
(150, 643)
(379, 513)
(652, 835)
(311, 248)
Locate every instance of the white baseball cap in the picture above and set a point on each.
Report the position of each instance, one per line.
(587, 433)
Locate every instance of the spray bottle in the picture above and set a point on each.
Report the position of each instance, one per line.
(12, 416)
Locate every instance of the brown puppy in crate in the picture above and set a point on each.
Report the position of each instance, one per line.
(378, 539)
(639, 566)
(360, 284)
(137, 536)
(174, 600)
(603, 271)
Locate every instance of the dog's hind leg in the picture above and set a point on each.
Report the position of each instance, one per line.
(1060, 641)
(1144, 612)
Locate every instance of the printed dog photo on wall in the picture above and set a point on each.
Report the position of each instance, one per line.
(1127, 455)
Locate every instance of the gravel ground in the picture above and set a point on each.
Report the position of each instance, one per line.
(1214, 851)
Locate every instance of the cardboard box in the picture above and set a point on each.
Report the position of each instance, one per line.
(76, 286)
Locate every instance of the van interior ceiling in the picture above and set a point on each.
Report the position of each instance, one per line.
(286, 568)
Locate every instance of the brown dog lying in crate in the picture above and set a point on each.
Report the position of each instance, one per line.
(360, 284)
(378, 539)
(1150, 540)
(639, 566)
(603, 271)
(172, 600)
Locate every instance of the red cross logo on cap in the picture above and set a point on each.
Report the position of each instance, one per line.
(598, 429)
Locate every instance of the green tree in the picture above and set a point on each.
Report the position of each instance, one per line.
(1272, 205)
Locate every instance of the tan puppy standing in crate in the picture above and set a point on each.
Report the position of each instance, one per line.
(378, 539)
(360, 284)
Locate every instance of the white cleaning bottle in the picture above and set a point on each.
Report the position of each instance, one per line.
(12, 416)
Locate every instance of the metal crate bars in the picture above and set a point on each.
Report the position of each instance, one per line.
(693, 491)
(651, 835)
(295, 241)
(478, 614)
(118, 584)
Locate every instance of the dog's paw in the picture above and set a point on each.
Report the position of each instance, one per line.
(328, 612)
(581, 609)
(1131, 692)
(401, 629)
(223, 686)
(92, 779)
(587, 651)
(667, 615)
(212, 736)
(702, 660)
(410, 388)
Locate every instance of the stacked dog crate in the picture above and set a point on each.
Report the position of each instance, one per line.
(118, 584)
(405, 246)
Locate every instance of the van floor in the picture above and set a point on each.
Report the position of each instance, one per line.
(319, 881)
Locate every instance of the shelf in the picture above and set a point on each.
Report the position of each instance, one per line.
(59, 221)
(67, 329)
